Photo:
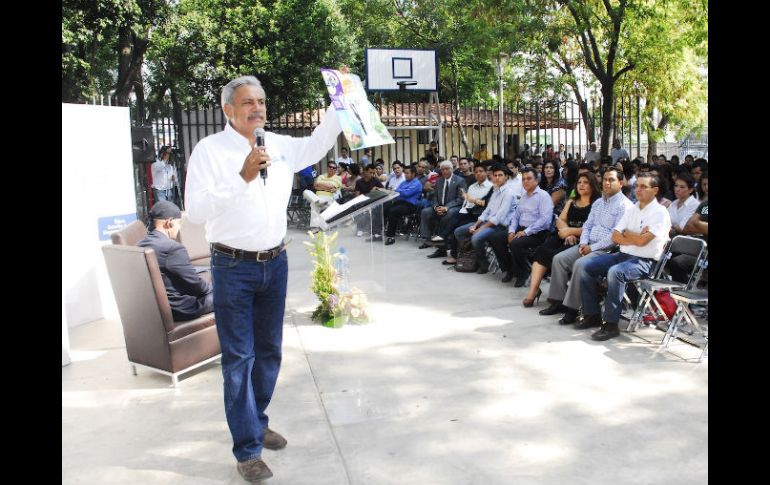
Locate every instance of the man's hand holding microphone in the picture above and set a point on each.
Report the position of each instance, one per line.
(258, 160)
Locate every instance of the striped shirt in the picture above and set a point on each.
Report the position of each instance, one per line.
(500, 207)
(604, 216)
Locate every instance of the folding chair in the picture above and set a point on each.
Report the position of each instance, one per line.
(409, 225)
(684, 319)
(298, 210)
(494, 266)
(648, 286)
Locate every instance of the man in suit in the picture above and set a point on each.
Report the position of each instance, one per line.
(447, 201)
(189, 295)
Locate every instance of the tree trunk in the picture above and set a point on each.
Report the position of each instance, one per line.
(652, 144)
(131, 50)
(141, 118)
(607, 102)
(456, 103)
(123, 87)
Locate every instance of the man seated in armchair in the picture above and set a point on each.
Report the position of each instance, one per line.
(189, 295)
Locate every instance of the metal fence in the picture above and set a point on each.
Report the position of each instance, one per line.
(414, 125)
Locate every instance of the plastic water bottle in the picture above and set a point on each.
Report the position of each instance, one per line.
(343, 271)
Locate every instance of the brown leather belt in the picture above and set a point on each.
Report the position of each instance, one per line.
(259, 256)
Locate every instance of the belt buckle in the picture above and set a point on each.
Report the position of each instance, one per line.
(266, 254)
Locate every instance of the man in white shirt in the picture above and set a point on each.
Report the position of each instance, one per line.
(163, 176)
(642, 234)
(344, 157)
(396, 177)
(245, 216)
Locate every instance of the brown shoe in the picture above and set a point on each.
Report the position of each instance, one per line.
(254, 470)
(272, 440)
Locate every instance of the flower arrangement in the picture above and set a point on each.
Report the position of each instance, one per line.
(335, 308)
(352, 305)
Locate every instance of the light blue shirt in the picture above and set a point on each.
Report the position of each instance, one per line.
(605, 215)
(535, 212)
(500, 207)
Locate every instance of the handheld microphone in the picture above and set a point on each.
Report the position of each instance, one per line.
(259, 134)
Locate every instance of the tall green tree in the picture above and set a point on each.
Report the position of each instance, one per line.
(467, 35)
(669, 42)
(103, 47)
(628, 45)
(599, 28)
(283, 42)
(89, 40)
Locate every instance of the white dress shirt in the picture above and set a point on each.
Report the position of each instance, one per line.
(656, 218)
(516, 187)
(477, 191)
(250, 216)
(161, 175)
(680, 215)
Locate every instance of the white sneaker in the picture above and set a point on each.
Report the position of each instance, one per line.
(437, 239)
(359, 233)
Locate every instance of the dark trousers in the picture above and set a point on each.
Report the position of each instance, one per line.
(462, 219)
(515, 260)
(519, 248)
(680, 267)
(394, 212)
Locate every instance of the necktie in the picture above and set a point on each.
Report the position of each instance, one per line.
(443, 195)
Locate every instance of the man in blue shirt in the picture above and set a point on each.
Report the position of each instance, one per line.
(406, 203)
(529, 226)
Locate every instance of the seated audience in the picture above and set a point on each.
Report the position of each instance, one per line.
(569, 227)
(642, 237)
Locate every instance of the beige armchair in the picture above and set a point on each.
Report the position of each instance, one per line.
(193, 237)
(130, 235)
(153, 339)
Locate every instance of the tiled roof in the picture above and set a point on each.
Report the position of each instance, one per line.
(415, 114)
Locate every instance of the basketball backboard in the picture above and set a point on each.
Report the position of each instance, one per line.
(401, 69)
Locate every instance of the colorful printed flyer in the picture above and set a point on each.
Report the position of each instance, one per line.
(359, 119)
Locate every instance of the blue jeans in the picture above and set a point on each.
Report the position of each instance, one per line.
(620, 268)
(249, 302)
(165, 194)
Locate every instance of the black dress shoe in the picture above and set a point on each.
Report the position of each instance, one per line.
(570, 316)
(519, 282)
(508, 277)
(553, 309)
(439, 253)
(589, 321)
(424, 245)
(608, 331)
(390, 241)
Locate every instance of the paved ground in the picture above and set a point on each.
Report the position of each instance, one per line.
(453, 383)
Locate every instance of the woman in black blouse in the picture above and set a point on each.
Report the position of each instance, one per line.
(569, 227)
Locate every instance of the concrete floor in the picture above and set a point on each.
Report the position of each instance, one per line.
(454, 382)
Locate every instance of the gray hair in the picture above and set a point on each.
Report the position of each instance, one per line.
(446, 163)
(229, 90)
